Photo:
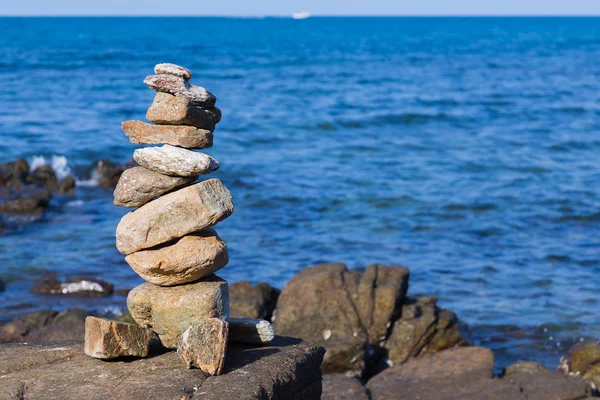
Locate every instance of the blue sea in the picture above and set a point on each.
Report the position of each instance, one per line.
(464, 148)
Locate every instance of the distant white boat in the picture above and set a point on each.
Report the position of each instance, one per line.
(301, 15)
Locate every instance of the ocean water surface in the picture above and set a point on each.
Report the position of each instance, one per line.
(464, 148)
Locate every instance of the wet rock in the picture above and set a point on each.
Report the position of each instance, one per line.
(539, 383)
(317, 305)
(107, 339)
(80, 286)
(286, 369)
(67, 185)
(249, 330)
(186, 260)
(174, 215)
(203, 345)
(14, 174)
(107, 173)
(342, 387)
(249, 301)
(27, 200)
(175, 161)
(583, 361)
(189, 137)
(173, 69)
(66, 326)
(169, 311)
(44, 176)
(379, 298)
(178, 86)
(138, 185)
(171, 110)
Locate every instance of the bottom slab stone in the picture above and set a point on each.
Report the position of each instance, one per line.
(287, 368)
(107, 339)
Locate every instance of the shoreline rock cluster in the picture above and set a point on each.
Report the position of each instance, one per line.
(168, 239)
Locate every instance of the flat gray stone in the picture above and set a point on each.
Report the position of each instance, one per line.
(175, 161)
(173, 69)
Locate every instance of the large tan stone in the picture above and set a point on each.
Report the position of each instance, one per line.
(174, 215)
(170, 311)
(189, 137)
(112, 339)
(175, 161)
(174, 110)
(138, 185)
(203, 345)
(190, 258)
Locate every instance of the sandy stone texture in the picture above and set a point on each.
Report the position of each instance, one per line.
(203, 345)
(175, 161)
(167, 109)
(188, 137)
(174, 215)
(111, 339)
(170, 311)
(177, 86)
(188, 259)
(138, 185)
(173, 69)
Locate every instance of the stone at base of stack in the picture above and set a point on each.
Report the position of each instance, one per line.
(168, 240)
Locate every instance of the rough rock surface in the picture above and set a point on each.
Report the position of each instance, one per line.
(26, 200)
(286, 369)
(539, 383)
(174, 215)
(175, 161)
(44, 326)
(172, 110)
(583, 360)
(179, 86)
(79, 286)
(138, 185)
(173, 69)
(112, 339)
(342, 387)
(203, 345)
(170, 311)
(189, 137)
(250, 330)
(186, 260)
(249, 301)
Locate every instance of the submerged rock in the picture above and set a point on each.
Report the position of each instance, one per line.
(44, 176)
(172, 110)
(203, 345)
(25, 200)
(249, 301)
(107, 339)
(14, 174)
(67, 185)
(175, 161)
(80, 286)
(178, 86)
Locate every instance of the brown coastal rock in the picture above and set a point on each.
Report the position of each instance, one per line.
(203, 345)
(342, 387)
(189, 137)
(539, 383)
(167, 109)
(139, 185)
(175, 161)
(178, 86)
(249, 301)
(173, 69)
(250, 330)
(583, 360)
(188, 259)
(107, 339)
(174, 215)
(170, 311)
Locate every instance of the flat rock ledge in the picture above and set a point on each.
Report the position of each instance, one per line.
(287, 368)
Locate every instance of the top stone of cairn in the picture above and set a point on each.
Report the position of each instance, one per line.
(173, 69)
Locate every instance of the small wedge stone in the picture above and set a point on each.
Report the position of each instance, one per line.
(107, 339)
(175, 161)
(188, 137)
(249, 330)
(203, 345)
(190, 258)
(169, 311)
(173, 69)
(138, 185)
(177, 86)
(167, 109)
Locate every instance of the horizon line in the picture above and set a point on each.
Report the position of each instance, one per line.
(286, 16)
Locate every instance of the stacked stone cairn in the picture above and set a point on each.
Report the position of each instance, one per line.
(168, 240)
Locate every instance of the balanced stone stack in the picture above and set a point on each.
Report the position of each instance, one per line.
(168, 240)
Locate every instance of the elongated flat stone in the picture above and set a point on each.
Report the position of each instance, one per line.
(167, 109)
(174, 215)
(111, 339)
(189, 137)
(203, 345)
(175, 161)
(138, 185)
(178, 86)
(190, 258)
(170, 311)
(173, 69)
(249, 330)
